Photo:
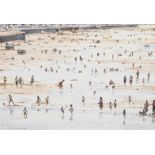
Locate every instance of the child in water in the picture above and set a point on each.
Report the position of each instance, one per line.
(71, 108)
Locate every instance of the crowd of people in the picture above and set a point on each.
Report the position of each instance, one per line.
(19, 81)
(101, 105)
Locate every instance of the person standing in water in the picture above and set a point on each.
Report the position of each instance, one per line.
(47, 100)
(71, 86)
(146, 106)
(110, 105)
(153, 107)
(71, 109)
(115, 103)
(83, 100)
(38, 101)
(101, 103)
(124, 112)
(25, 112)
(90, 83)
(94, 93)
(62, 112)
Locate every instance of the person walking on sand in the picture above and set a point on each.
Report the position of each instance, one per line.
(4, 81)
(16, 81)
(21, 82)
(130, 80)
(25, 112)
(11, 100)
(125, 80)
(129, 99)
(32, 80)
(110, 105)
(137, 75)
(115, 103)
(60, 84)
(148, 77)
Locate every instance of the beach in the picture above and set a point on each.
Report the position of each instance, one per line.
(78, 57)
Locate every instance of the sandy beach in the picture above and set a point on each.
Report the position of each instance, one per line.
(96, 55)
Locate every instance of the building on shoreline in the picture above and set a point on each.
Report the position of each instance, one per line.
(11, 36)
(12, 32)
